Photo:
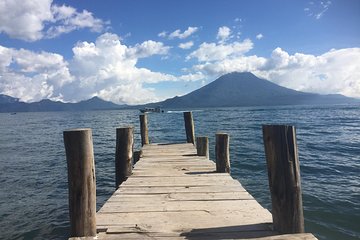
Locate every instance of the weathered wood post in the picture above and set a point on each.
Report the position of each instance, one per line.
(284, 178)
(123, 154)
(189, 127)
(81, 181)
(222, 153)
(202, 146)
(144, 130)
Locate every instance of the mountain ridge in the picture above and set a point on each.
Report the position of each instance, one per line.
(230, 90)
(10, 104)
(245, 89)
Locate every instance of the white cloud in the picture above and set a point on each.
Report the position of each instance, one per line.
(162, 34)
(108, 65)
(216, 52)
(193, 76)
(147, 49)
(24, 19)
(67, 19)
(223, 33)
(317, 9)
(239, 64)
(186, 45)
(332, 72)
(33, 20)
(129, 93)
(32, 76)
(259, 36)
(106, 68)
(182, 35)
(335, 71)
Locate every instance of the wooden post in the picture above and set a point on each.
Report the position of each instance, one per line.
(123, 154)
(222, 153)
(144, 130)
(202, 146)
(189, 127)
(81, 181)
(284, 178)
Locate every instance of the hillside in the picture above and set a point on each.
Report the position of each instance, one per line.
(10, 104)
(245, 89)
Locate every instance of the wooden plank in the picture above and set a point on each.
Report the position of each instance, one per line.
(174, 194)
(184, 221)
(181, 197)
(179, 189)
(172, 206)
(185, 181)
(113, 234)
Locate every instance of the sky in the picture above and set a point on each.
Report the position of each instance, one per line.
(139, 51)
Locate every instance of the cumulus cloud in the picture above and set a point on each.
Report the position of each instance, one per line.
(182, 35)
(259, 36)
(239, 64)
(66, 19)
(223, 33)
(32, 76)
(186, 45)
(33, 20)
(216, 52)
(332, 72)
(106, 68)
(147, 49)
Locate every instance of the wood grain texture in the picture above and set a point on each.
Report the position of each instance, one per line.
(175, 194)
(222, 153)
(144, 131)
(284, 178)
(202, 146)
(81, 181)
(189, 127)
(123, 154)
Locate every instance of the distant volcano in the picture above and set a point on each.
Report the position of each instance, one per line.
(230, 90)
(245, 89)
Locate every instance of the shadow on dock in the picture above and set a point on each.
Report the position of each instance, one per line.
(231, 232)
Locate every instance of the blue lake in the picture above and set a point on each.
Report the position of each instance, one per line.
(33, 179)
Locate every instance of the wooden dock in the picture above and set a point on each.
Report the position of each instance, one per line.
(175, 194)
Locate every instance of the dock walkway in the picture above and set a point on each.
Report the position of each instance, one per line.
(175, 194)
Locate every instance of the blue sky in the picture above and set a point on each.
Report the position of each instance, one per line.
(136, 51)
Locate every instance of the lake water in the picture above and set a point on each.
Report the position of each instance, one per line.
(33, 174)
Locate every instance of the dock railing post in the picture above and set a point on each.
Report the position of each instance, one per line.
(222, 153)
(123, 154)
(144, 130)
(189, 127)
(81, 181)
(202, 146)
(284, 178)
